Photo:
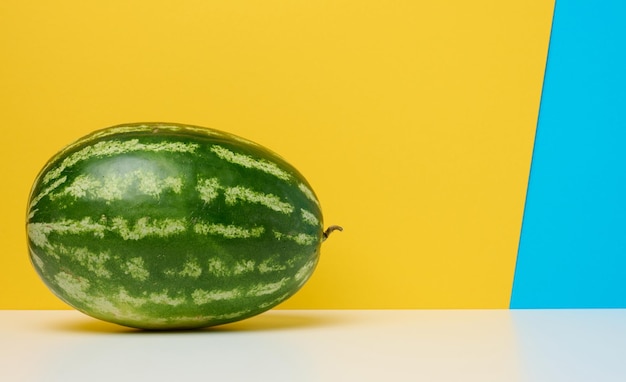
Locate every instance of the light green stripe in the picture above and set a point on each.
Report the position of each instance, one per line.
(163, 298)
(122, 129)
(271, 265)
(191, 268)
(148, 183)
(84, 184)
(308, 193)
(121, 306)
(125, 298)
(37, 261)
(75, 287)
(305, 270)
(43, 194)
(274, 301)
(151, 127)
(243, 266)
(110, 148)
(267, 288)
(135, 268)
(249, 162)
(208, 189)
(309, 217)
(271, 201)
(228, 231)
(93, 262)
(218, 268)
(301, 238)
(201, 296)
(144, 227)
(38, 232)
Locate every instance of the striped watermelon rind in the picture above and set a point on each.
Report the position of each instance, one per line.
(170, 226)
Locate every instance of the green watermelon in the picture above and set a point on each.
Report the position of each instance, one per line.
(170, 226)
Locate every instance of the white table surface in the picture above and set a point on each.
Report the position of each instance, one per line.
(303, 345)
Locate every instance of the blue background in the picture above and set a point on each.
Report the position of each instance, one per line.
(572, 251)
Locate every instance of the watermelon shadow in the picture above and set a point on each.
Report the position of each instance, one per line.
(282, 320)
(269, 321)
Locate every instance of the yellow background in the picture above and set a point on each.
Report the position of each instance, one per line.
(413, 120)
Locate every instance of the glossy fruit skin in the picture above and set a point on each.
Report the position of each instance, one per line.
(170, 226)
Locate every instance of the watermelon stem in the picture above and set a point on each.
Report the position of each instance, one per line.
(331, 229)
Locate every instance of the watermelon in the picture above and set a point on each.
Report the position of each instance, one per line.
(171, 226)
